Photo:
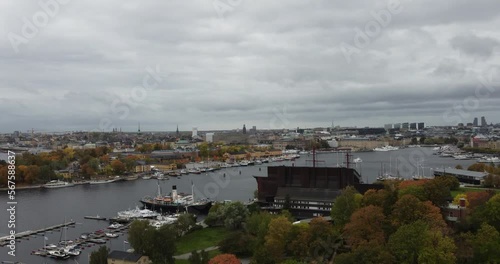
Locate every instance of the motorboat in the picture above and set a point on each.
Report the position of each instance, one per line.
(357, 160)
(115, 226)
(111, 235)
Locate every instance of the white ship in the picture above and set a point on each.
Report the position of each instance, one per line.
(57, 184)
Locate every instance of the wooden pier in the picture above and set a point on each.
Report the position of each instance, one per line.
(5, 240)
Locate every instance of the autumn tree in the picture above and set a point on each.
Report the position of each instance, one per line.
(344, 206)
(299, 237)
(476, 199)
(366, 226)
(324, 240)
(460, 196)
(438, 191)
(224, 259)
(279, 228)
(118, 166)
(409, 209)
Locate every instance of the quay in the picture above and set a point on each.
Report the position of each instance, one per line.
(97, 237)
(4, 240)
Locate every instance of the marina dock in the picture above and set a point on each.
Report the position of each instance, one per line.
(5, 240)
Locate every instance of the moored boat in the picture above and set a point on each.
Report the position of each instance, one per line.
(57, 184)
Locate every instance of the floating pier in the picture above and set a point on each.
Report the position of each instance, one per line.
(5, 240)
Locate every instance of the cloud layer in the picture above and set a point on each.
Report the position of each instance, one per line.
(221, 64)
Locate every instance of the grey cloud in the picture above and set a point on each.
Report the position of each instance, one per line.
(475, 46)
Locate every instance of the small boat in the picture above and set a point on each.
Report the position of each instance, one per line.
(111, 235)
(115, 226)
(146, 177)
(357, 160)
(96, 217)
(66, 242)
(50, 246)
(72, 251)
(84, 236)
(58, 254)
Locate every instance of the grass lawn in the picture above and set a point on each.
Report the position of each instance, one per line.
(466, 190)
(211, 254)
(200, 239)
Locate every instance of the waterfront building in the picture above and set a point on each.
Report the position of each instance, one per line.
(306, 191)
(463, 176)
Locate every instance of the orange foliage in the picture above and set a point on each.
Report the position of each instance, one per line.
(476, 199)
(224, 259)
(365, 227)
(406, 184)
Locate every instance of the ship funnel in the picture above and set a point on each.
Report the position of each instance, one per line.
(174, 193)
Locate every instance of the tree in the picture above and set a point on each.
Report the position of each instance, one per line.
(366, 226)
(224, 259)
(195, 258)
(286, 204)
(158, 244)
(408, 209)
(476, 199)
(492, 211)
(299, 237)
(437, 191)
(100, 256)
(161, 247)
(416, 243)
(279, 228)
(118, 166)
(485, 245)
(450, 182)
(185, 222)
(324, 240)
(459, 167)
(460, 196)
(235, 214)
(344, 205)
(373, 254)
(238, 243)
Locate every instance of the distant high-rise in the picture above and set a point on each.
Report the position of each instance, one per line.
(420, 125)
(475, 123)
(195, 132)
(483, 121)
(177, 131)
(397, 126)
(388, 126)
(405, 125)
(244, 129)
(413, 126)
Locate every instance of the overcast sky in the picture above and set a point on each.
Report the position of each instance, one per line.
(219, 64)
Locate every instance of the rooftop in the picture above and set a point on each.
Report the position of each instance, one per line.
(122, 255)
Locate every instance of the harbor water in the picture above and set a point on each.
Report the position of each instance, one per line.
(40, 208)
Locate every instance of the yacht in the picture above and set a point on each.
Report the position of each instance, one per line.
(111, 235)
(57, 184)
(357, 160)
(489, 160)
(386, 148)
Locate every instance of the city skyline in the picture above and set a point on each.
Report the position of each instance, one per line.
(96, 66)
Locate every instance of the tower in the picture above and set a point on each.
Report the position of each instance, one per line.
(177, 131)
(475, 123)
(483, 121)
(139, 128)
(244, 129)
